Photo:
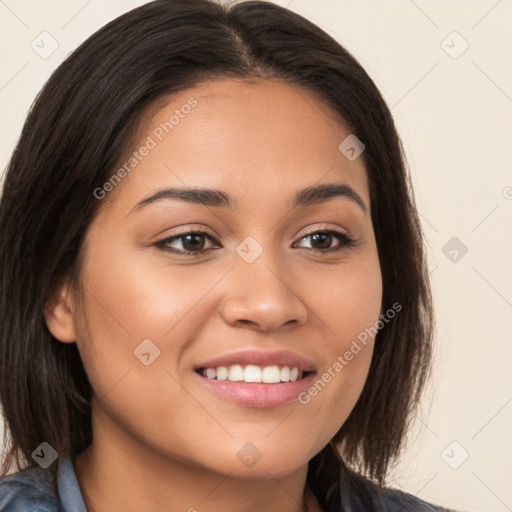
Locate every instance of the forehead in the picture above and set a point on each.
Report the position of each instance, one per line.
(260, 139)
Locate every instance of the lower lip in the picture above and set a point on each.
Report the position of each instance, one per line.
(256, 394)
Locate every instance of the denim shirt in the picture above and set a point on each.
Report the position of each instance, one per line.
(35, 490)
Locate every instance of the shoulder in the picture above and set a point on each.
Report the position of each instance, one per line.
(361, 494)
(340, 488)
(31, 490)
(395, 500)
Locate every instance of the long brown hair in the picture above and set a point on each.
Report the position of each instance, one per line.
(77, 130)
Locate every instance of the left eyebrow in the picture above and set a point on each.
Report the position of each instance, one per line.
(219, 199)
(326, 191)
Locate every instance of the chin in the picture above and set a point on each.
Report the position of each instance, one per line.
(253, 461)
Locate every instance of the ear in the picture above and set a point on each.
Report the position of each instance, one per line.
(58, 312)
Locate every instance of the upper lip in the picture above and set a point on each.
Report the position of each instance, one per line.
(261, 358)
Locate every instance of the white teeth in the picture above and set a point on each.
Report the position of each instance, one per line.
(222, 373)
(252, 373)
(271, 374)
(211, 373)
(235, 373)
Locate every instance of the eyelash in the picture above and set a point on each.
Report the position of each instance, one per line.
(347, 242)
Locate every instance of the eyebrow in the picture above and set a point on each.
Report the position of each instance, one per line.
(219, 199)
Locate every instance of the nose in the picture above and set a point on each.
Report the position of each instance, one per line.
(260, 295)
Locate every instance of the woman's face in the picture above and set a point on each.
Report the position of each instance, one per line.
(157, 324)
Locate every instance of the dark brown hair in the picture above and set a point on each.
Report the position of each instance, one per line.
(76, 131)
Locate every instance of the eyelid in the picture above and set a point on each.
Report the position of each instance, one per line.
(310, 230)
(345, 239)
(191, 230)
(183, 233)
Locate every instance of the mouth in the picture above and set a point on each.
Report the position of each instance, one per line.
(273, 374)
(257, 379)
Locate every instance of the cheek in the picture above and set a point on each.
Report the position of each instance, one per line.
(132, 297)
(347, 300)
(348, 308)
(127, 304)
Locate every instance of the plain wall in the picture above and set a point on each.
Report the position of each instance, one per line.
(454, 113)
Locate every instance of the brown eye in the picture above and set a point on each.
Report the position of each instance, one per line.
(192, 242)
(321, 241)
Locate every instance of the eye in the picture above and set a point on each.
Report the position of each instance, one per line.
(192, 243)
(324, 238)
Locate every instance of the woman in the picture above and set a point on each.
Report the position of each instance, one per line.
(214, 290)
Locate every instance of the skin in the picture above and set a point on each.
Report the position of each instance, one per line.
(162, 440)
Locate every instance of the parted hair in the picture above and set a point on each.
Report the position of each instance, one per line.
(77, 130)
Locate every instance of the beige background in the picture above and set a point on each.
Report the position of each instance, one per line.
(455, 117)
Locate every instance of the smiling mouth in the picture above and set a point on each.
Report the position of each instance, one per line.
(273, 374)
